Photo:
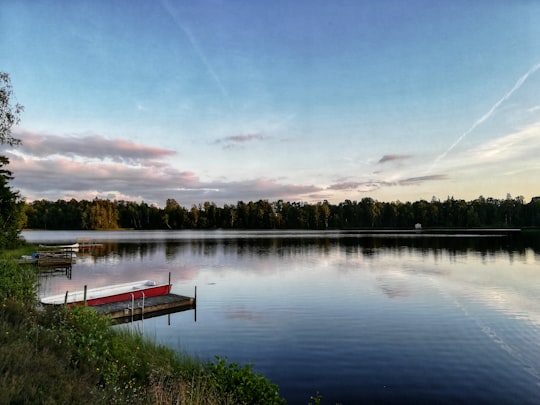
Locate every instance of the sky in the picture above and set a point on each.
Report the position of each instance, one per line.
(305, 101)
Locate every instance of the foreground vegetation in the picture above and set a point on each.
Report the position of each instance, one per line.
(262, 214)
(63, 355)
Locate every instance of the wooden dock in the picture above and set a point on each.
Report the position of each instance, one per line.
(55, 261)
(127, 311)
(48, 261)
(88, 244)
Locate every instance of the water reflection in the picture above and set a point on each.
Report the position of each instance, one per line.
(380, 319)
(438, 247)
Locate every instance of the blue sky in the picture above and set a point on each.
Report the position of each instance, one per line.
(296, 100)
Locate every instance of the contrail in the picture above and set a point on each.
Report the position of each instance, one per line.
(199, 52)
(487, 115)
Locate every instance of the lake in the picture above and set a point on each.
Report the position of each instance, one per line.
(360, 318)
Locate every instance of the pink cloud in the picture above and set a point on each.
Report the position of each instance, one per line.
(89, 146)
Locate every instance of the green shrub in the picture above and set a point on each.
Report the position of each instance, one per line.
(243, 385)
(17, 281)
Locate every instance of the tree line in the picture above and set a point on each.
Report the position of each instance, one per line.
(366, 213)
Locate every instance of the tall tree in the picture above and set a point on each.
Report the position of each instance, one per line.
(9, 112)
(100, 214)
(10, 201)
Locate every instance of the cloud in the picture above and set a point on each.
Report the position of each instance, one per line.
(348, 185)
(391, 158)
(60, 174)
(231, 141)
(523, 145)
(88, 146)
(56, 167)
(372, 185)
(244, 138)
(259, 189)
(62, 178)
(422, 179)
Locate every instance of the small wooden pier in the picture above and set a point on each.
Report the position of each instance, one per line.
(88, 244)
(55, 261)
(49, 259)
(142, 308)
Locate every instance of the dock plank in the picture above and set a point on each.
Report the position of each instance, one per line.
(153, 306)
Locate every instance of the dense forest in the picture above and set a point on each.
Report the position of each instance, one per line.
(262, 214)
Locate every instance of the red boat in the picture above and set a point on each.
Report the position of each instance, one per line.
(111, 293)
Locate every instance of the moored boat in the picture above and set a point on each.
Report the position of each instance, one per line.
(111, 293)
(70, 246)
(27, 259)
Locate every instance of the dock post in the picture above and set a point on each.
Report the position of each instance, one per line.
(132, 306)
(195, 305)
(84, 300)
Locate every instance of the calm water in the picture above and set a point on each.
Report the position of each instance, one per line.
(359, 318)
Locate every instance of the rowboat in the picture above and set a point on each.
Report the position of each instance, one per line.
(62, 247)
(111, 293)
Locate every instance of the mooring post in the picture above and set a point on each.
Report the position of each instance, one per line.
(195, 305)
(85, 287)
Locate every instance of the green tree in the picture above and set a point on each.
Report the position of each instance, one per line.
(9, 112)
(11, 205)
(325, 210)
(533, 212)
(100, 214)
(11, 209)
(228, 216)
(174, 215)
(194, 215)
(129, 215)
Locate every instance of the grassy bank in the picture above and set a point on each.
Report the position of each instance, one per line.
(62, 355)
